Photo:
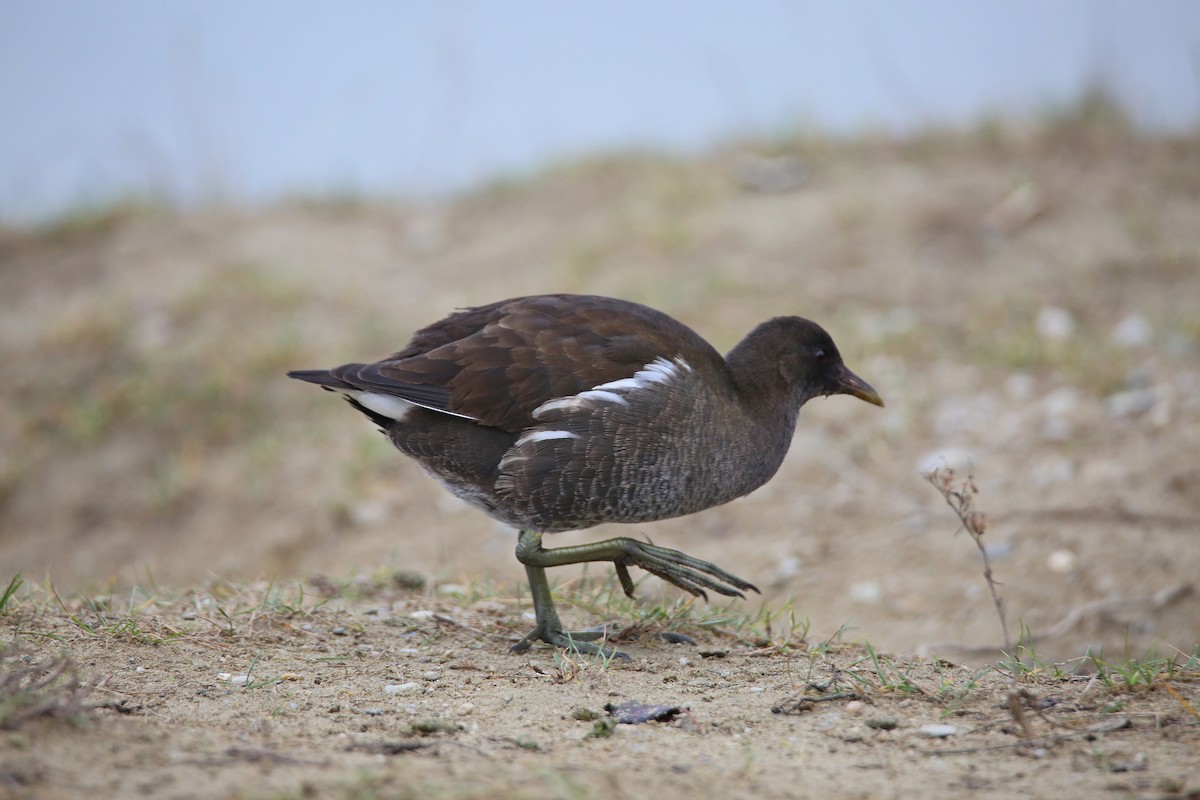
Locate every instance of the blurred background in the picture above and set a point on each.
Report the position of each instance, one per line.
(235, 101)
(994, 208)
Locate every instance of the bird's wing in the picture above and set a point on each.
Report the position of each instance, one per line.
(498, 363)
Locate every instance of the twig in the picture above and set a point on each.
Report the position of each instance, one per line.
(960, 496)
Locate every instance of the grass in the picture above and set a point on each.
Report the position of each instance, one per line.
(31, 688)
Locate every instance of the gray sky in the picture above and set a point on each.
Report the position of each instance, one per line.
(256, 100)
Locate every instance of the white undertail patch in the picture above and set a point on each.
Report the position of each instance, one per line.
(385, 405)
(391, 406)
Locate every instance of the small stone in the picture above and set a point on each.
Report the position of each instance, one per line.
(883, 723)
(1055, 323)
(465, 709)
(865, 592)
(855, 707)
(788, 568)
(1131, 403)
(938, 731)
(1019, 385)
(401, 688)
(526, 743)
(489, 607)
(1132, 331)
(339, 631)
(421, 615)
(373, 712)
(1061, 561)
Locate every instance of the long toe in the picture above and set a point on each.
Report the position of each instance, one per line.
(574, 641)
(688, 573)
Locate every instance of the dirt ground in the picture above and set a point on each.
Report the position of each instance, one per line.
(1024, 297)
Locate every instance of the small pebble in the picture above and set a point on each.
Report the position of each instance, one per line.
(855, 707)
(400, 688)
(1133, 331)
(1131, 403)
(1061, 561)
(421, 615)
(865, 592)
(373, 712)
(1055, 323)
(755, 689)
(431, 675)
(189, 614)
(465, 709)
(339, 631)
(938, 731)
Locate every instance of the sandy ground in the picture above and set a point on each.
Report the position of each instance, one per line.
(1025, 300)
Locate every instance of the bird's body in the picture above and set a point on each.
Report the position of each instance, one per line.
(559, 412)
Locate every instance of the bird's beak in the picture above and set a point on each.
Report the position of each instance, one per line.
(849, 383)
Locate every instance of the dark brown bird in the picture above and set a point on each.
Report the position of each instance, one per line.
(559, 412)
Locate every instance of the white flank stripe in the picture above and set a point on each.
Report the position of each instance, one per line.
(541, 436)
(624, 383)
(603, 396)
(660, 371)
(554, 405)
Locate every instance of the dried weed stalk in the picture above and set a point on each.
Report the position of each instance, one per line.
(30, 689)
(959, 494)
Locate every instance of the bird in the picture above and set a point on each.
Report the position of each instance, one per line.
(558, 412)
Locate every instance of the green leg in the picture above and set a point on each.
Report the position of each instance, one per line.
(688, 573)
(549, 627)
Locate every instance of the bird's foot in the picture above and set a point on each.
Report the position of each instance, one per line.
(688, 573)
(574, 641)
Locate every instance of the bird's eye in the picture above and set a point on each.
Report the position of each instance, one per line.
(819, 356)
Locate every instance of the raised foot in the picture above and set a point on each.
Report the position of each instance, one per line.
(575, 641)
(688, 573)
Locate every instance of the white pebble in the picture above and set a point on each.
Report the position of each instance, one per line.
(1133, 331)
(855, 707)
(1055, 323)
(938, 731)
(1061, 561)
(465, 709)
(755, 689)
(1131, 403)
(1019, 386)
(431, 675)
(865, 592)
(421, 615)
(400, 688)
